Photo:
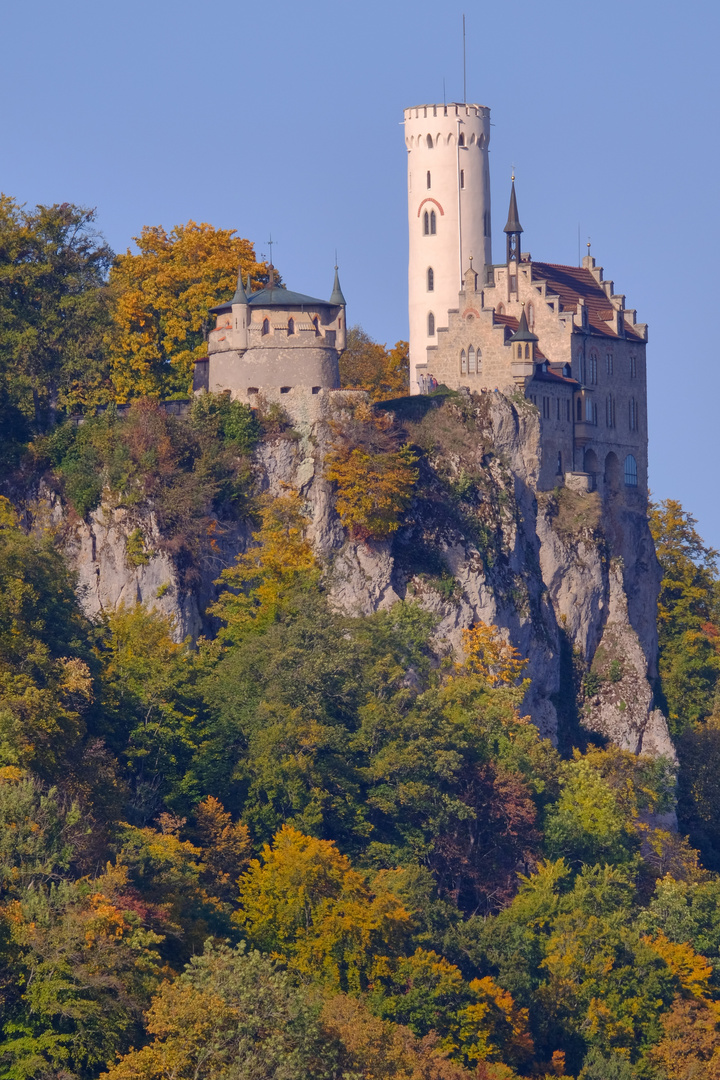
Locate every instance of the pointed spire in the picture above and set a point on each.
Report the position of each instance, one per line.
(523, 332)
(337, 293)
(239, 297)
(248, 286)
(513, 221)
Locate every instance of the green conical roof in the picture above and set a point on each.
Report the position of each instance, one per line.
(523, 332)
(513, 221)
(336, 297)
(238, 298)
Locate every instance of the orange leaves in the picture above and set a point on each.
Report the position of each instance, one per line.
(494, 1027)
(490, 656)
(162, 297)
(690, 969)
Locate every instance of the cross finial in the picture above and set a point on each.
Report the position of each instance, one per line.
(270, 245)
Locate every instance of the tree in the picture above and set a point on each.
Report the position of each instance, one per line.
(366, 365)
(232, 1013)
(306, 905)
(161, 301)
(687, 620)
(53, 309)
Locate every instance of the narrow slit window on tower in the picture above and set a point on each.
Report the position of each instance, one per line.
(428, 179)
(431, 324)
(462, 178)
(633, 367)
(426, 223)
(471, 360)
(433, 223)
(430, 279)
(463, 363)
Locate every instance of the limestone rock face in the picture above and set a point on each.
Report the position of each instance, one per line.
(572, 582)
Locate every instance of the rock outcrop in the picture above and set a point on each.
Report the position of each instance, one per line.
(570, 579)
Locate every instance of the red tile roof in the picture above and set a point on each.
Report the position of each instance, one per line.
(570, 283)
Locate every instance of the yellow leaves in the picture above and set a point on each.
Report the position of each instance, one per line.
(104, 921)
(280, 561)
(162, 296)
(690, 968)
(305, 904)
(373, 489)
(8, 515)
(490, 656)
(494, 1026)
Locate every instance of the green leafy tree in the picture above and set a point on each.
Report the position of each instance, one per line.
(53, 309)
(687, 621)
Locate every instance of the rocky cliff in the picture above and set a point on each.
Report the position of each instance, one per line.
(572, 580)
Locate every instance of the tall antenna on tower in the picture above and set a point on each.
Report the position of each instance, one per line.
(464, 67)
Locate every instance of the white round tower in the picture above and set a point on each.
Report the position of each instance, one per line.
(448, 213)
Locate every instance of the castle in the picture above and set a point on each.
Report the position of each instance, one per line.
(273, 340)
(559, 336)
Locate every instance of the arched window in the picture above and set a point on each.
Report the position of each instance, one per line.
(430, 279)
(500, 309)
(463, 363)
(461, 140)
(519, 352)
(431, 324)
(527, 350)
(471, 360)
(291, 326)
(429, 142)
(426, 223)
(266, 326)
(428, 179)
(433, 223)
(630, 471)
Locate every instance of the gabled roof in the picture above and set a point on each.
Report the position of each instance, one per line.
(571, 283)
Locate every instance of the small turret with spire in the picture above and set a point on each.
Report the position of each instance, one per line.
(336, 297)
(513, 229)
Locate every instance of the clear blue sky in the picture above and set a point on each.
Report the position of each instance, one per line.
(285, 116)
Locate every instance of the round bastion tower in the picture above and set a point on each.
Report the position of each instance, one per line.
(448, 214)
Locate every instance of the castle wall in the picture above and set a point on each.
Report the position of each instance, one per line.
(244, 374)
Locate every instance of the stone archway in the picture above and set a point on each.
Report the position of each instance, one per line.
(590, 465)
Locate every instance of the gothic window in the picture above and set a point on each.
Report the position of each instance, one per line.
(633, 415)
(429, 142)
(630, 471)
(610, 411)
(471, 361)
(461, 140)
(463, 362)
(633, 367)
(426, 223)
(462, 178)
(593, 368)
(527, 350)
(430, 279)
(433, 223)
(609, 363)
(428, 179)
(431, 324)
(519, 352)
(291, 326)
(266, 326)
